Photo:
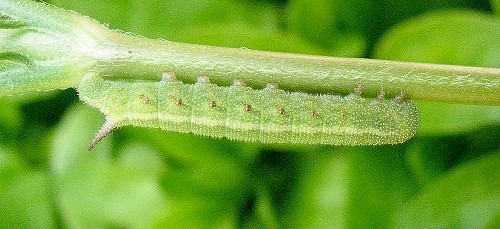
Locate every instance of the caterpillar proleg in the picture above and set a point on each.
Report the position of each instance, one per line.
(238, 112)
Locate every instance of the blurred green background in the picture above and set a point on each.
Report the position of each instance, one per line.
(448, 176)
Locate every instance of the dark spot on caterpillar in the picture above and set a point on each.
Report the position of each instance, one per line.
(248, 107)
(129, 52)
(212, 104)
(313, 113)
(341, 112)
(359, 89)
(381, 95)
(178, 102)
(145, 99)
(399, 98)
(281, 111)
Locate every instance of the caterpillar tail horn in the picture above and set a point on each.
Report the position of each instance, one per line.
(106, 128)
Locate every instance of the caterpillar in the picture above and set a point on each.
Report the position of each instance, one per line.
(268, 115)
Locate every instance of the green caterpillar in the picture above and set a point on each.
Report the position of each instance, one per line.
(268, 115)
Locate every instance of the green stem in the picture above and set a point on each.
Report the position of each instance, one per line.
(140, 58)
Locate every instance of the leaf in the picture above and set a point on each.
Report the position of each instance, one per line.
(447, 37)
(320, 198)
(432, 156)
(495, 4)
(239, 35)
(113, 13)
(468, 197)
(207, 179)
(161, 18)
(10, 120)
(331, 24)
(200, 168)
(438, 119)
(25, 200)
(312, 20)
(350, 187)
(27, 203)
(11, 166)
(165, 19)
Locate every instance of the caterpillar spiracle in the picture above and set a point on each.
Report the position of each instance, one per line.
(238, 112)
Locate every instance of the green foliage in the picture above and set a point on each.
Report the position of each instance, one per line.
(445, 177)
(439, 34)
(25, 195)
(475, 204)
(496, 6)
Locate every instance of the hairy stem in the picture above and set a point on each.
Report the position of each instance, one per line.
(139, 58)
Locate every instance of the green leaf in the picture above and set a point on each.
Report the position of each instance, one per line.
(263, 211)
(350, 187)
(10, 120)
(240, 35)
(468, 197)
(379, 183)
(11, 166)
(206, 182)
(312, 20)
(200, 167)
(26, 202)
(178, 14)
(448, 37)
(116, 14)
(438, 119)
(25, 196)
(165, 19)
(331, 24)
(320, 197)
(495, 4)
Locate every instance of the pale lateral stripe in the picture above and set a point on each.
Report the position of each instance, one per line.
(273, 128)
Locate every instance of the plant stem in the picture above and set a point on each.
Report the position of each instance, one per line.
(139, 58)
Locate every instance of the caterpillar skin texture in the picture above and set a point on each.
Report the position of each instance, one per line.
(268, 115)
